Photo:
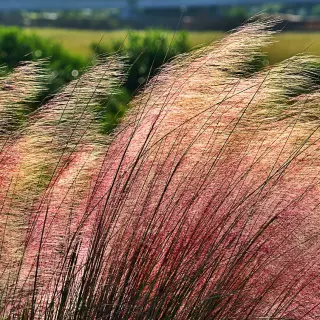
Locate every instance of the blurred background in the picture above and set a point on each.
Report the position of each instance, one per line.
(71, 33)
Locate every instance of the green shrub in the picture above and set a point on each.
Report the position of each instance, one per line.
(146, 53)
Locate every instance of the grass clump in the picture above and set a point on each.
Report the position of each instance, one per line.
(202, 204)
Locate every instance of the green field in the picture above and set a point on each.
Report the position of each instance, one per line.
(78, 41)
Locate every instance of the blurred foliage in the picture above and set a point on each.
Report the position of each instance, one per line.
(81, 19)
(316, 10)
(111, 111)
(17, 46)
(236, 12)
(146, 52)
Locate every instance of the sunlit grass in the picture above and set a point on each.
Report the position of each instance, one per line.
(290, 44)
(78, 41)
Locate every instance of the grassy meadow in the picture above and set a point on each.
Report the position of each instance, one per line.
(79, 41)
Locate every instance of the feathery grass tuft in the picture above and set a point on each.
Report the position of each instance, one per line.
(202, 204)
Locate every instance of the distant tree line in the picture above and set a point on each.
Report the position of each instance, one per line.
(219, 18)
